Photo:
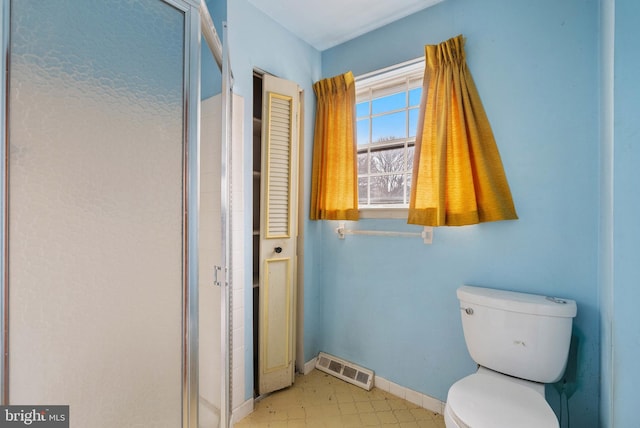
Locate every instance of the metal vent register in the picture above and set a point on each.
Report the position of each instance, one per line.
(345, 370)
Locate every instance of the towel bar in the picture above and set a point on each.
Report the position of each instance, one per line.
(426, 234)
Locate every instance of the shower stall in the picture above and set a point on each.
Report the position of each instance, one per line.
(101, 178)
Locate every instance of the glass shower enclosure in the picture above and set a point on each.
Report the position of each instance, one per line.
(100, 190)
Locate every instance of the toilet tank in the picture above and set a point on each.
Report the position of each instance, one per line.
(518, 334)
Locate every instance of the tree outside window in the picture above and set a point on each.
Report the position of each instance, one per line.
(386, 128)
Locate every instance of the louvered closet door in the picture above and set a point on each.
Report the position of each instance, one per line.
(278, 233)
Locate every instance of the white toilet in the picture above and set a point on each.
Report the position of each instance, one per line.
(520, 342)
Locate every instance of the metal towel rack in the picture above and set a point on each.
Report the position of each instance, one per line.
(426, 234)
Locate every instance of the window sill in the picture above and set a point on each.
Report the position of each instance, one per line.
(393, 213)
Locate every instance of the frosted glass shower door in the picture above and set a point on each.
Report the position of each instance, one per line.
(98, 194)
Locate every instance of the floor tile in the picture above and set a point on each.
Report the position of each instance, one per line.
(319, 400)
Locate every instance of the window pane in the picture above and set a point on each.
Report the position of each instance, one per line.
(389, 127)
(362, 131)
(362, 163)
(414, 97)
(408, 186)
(387, 160)
(362, 190)
(388, 103)
(387, 189)
(362, 109)
(413, 122)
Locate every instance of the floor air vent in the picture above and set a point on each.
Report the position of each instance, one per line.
(345, 370)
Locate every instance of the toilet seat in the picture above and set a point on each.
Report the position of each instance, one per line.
(493, 400)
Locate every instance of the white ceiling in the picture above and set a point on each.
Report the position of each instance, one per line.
(327, 23)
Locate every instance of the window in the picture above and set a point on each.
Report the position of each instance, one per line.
(387, 106)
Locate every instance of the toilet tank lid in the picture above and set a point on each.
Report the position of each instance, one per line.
(513, 301)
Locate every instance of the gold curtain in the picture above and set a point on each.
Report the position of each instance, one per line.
(458, 177)
(334, 180)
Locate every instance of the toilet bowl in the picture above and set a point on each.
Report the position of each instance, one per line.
(520, 342)
(487, 399)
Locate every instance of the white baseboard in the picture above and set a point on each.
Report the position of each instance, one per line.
(415, 397)
(310, 365)
(245, 409)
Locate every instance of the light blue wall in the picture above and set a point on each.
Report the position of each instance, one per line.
(626, 175)
(390, 304)
(256, 41)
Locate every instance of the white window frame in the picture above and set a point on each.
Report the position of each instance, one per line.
(398, 78)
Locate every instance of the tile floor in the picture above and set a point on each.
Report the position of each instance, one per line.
(320, 400)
